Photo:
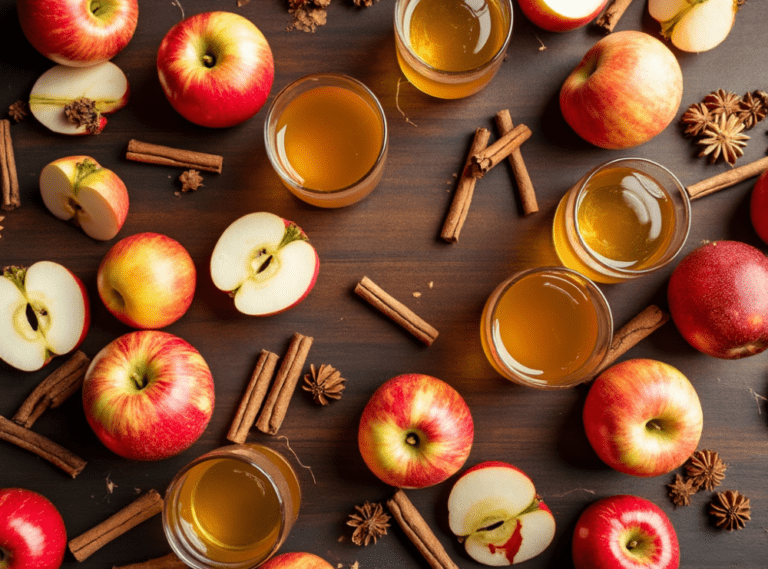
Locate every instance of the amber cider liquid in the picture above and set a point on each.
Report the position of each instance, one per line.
(330, 137)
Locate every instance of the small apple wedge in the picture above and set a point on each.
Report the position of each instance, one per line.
(80, 189)
(44, 312)
(96, 91)
(265, 262)
(493, 507)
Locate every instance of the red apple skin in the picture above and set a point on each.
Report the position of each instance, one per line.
(148, 395)
(415, 431)
(67, 31)
(32, 532)
(225, 93)
(718, 299)
(624, 404)
(296, 560)
(626, 90)
(543, 17)
(605, 530)
(758, 206)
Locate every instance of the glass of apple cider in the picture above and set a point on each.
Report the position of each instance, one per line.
(548, 328)
(231, 508)
(326, 137)
(451, 48)
(624, 219)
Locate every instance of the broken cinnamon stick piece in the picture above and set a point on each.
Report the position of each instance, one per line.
(395, 310)
(9, 178)
(612, 14)
(167, 156)
(170, 561)
(254, 397)
(41, 446)
(419, 532)
(519, 170)
(276, 406)
(465, 187)
(727, 179)
(140, 510)
(53, 390)
(494, 154)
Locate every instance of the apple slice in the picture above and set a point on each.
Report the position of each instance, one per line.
(80, 189)
(493, 507)
(265, 262)
(104, 84)
(561, 15)
(44, 312)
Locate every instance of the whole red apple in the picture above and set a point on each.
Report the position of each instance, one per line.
(216, 69)
(148, 395)
(415, 431)
(78, 33)
(718, 299)
(624, 532)
(32, 533)
(561, 15)
(296, 560)
(643, 417)
(758, 206)
(625, 90)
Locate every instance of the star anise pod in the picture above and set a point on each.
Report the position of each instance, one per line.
(18, 110)
(730, 510)
(190, 180)
(706, 469)
(82, 112)
(370, 523)
(724, 138)
(696, 119)
(324, 383)
(681, 490)
(754, 108)
(722, 102)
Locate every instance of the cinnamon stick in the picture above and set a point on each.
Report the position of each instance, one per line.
(8, 173)
(494, 154)
(168, 156)
(612, 14)
(254, 397)
(276, 406)
(41, 446)
(53, 390)
(465, 187)
(395, 310)
(727, 179)
(140, 510)
(170, 561)
(519, 170)
(419, 532)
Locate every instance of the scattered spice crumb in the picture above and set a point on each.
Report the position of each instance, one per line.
(177, 3)
(757, 397)
(416, 294)
(18, 110)
(355, 565)
(364, 3)
(190, 180)
(241, 3)
(397, 102)
(542, 47)
(110, 485)
(308, 15)
(431, 284)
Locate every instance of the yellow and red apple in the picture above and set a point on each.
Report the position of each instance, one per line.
(296, 560)
(561, 15)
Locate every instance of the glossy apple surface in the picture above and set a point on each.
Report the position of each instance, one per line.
(758, 206)
(296, 560)
(561, 15)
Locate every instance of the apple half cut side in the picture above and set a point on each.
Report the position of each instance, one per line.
(265, 262)
(80, 189)
(104, 84)
(44, 312)
(561, 15)
(494, 509)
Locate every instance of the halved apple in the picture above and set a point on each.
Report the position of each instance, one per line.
(80, 189)
(104, 84)
(494, 509)
(44, 312)
(265, 262)
(561, 15)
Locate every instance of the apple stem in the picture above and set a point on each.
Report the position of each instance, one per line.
(95, 7)
(139, 380)
(209, 60)
(412, 439)
(653, 425)
(632, 544)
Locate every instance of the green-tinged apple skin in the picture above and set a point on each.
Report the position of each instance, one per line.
(624, 532)
(296, 560)
(148, 395)
(643, 417)
(758, 207)
(718, 299)
(32, 532)
(216, 69)
(415, 431)
(78, 33)
(626, 90)
(147, 280)
(544, 16)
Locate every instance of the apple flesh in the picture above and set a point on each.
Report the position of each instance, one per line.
(78, 188)
(32, 532)
(265, 262)
(494, 509)
(561, 15)
(296, 560)
(758, 207)
(105, 84)
(718, 299)
(44, 312)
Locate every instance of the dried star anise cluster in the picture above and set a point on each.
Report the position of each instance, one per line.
(704, 469)
(190, 180)
(18, 110)
(308, 15)
(324, 383)
(730, 510)
(370, 523)
(718, 121)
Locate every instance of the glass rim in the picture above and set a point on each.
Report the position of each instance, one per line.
(284, 95)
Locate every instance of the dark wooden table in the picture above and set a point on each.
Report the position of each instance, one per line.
(392, 237)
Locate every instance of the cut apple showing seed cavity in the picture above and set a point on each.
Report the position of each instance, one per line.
(265, 262)
(74, 100)
(44, 312)
(494, 509)
(80, 189)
